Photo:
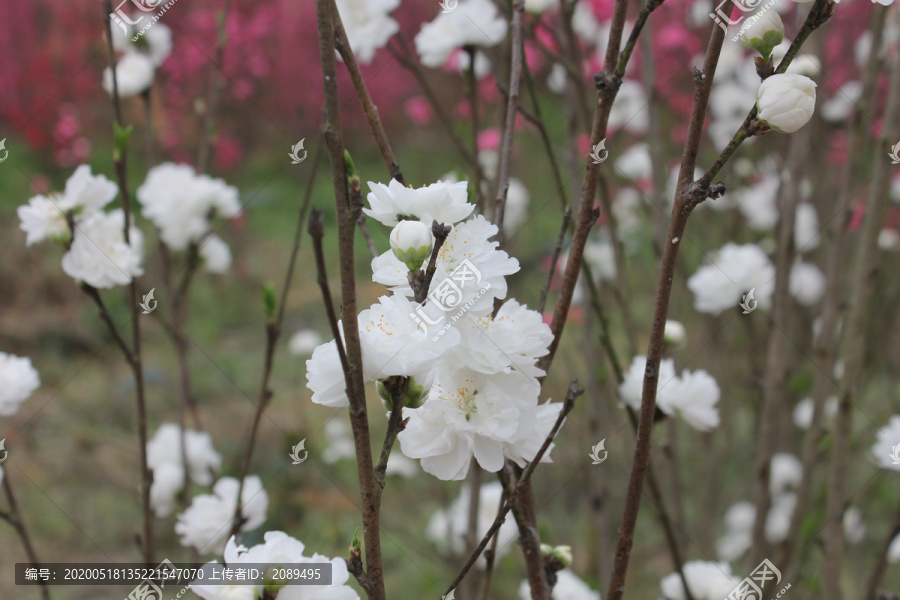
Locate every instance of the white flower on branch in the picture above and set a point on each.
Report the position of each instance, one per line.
(45, 216)
(691, 397)
(155, 42)
(786, 101)
(165, 448)
(181, 203)
(490, 417)
(392, 343)
(733, 272)
(468, 241)
(134, 74)
(443, 201)
(368, 25)
(18, 380)
(514, 340)
(471, 23)
(278, 551)
(99, 255)
(207, 521)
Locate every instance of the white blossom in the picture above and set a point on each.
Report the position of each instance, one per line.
(18, 380)
(134, 74)
(304, 342)
(206, 523)
(692, 396)
(785, 473)
(803, 412)
(180, 203)
(466, 414)
(758, 203)
(807, 283)
(165, 448)
(693, 400)
(168, 480)
(476, 283)
(515, 210)
(734, 271)
(778, 521)
(893, 554)
(786, 101)
(887, 445)
(392, 343)
(854, 527)
(842, 105)
(215, 255)
(629, 112)
(155, 42)
(806, 227)
(45, 216)
(706, 580)
(568, 587)
(513, 340)
(471, 23)
(99, 255)
(442, 201)
(368, 25)
(635, 163)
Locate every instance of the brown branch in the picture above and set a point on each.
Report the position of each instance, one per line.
(569, 403)
(14, 518)
(687, 196)
(120, 162)
(512, 102)
(413, 67)
(347, 216)
(342, 44)
(554, 260)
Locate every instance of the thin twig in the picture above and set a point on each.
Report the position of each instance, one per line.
(512, 103)
(212, 98)
(404, 58)
(554, 260)
(342, 44)
(120, 166)
(14, 518)
(569, 403)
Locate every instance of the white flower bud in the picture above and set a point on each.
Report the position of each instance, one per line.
(412, 242)
(786, 101)
(674, 334)
(764, 34)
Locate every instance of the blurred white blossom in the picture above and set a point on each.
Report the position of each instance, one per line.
(18, 380)
(471, 23)
(206, 523)
(134, 74)
(368, 25)
(733, 272)
(99, 255)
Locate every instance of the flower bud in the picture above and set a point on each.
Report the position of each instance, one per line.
(764, 34)
(562, 554)
(786, 102)
(412, 242)
(674, 334)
